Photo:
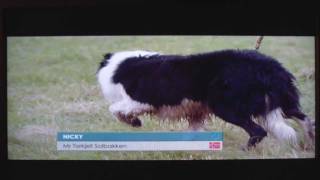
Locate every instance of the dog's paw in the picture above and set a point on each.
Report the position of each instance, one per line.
(136, 122)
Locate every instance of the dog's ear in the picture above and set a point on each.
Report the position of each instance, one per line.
(104, 62)
(108, 56)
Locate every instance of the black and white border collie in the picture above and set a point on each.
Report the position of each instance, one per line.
(242, 87)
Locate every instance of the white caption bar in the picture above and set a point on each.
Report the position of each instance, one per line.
(139, 146)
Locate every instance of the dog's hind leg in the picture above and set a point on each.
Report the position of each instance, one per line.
(255, 131)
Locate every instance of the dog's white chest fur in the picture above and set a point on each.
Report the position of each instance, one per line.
(115, 93)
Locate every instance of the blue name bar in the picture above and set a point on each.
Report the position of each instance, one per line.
(140, 136)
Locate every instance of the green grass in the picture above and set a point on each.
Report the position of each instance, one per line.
(52, 87)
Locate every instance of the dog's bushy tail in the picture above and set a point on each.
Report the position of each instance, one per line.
(274, 123)
(281, 98)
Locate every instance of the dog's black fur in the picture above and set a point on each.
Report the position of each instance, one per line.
(232, 83)
(228, 81)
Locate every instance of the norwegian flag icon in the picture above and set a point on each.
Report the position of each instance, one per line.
(215, 145)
